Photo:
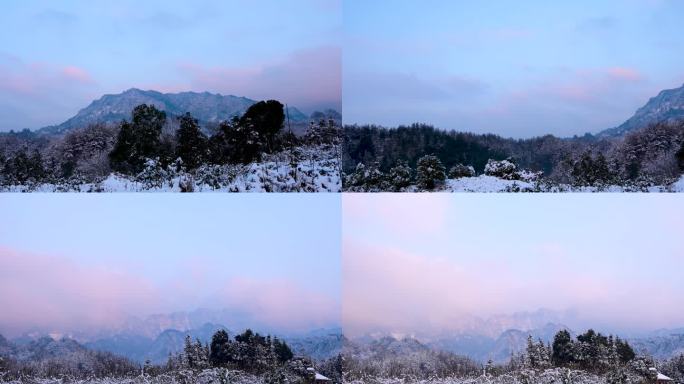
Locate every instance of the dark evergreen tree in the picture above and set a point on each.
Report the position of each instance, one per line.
(148, 122)
(267, 118)
(400, 176)
(124, 157)
(282, 350)
(624, 350)
(191, 142)
(680, 157)
(138, 140)
(562, 348)
(429, 172)
(219, 354)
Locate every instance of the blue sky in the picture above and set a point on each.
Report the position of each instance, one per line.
(515, 68)
(422, 262)
(146, 254)
(56, 57)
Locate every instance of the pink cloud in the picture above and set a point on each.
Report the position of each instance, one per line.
(625, 73)
(279, 303)
(40, 79)
(53, 293)
(393, 290)
(42, 93)
(401, 213)
(77, 74)
(305, 78)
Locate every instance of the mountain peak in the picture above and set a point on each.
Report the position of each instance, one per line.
(207, 107)
(667, 106)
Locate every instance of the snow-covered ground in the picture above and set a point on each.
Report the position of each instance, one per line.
(317, 170)
(549, 376)
(207, 376)
(484, 183)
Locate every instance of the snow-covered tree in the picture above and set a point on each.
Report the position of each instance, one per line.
(400, 176)
(153, 174)
(503, 169)
(460, 170)
(430, 172)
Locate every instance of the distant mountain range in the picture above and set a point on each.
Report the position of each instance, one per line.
(157, 350)
(499, 336)
(667, 106)
(155, 337)
(318, 344)
(205, 107)
(498, 349)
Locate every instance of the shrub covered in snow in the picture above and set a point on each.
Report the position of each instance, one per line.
(400, 176)
(366, 179)
(503, 169)
(460, 170)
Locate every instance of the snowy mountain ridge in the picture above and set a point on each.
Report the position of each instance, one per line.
(667, 106)
(205, 107)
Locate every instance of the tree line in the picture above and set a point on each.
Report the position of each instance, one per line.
(91, 153)
(429, 174)
(648, 156)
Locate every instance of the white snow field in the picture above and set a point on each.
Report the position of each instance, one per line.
(317, 169)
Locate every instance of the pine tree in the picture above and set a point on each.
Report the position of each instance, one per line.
(531, 353)
(189, 353)
(429, 172)
(624, 350)
(219, 351)
(680, 157)
(123, 157)
(282, 350)
(266, 118)
(139, 140)
(148, 122)
(562, 348)
(192, 143)
(400, 176)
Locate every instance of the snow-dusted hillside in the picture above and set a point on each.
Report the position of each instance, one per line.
(311, 169)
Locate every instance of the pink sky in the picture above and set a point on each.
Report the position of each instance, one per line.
(429, 262)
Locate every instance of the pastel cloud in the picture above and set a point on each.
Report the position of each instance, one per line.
(309, 78)
(388, 289)
(44, 93)
(625, 73)
(77, 74)
(403, 214)
(508, 255)
(279, 304)
(53, 293)
(587, 99)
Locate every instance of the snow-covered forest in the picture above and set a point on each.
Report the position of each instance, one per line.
(151, 152)
(247, 357)
(422, 158)
(591, 357)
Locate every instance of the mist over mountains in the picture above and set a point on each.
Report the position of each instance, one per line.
(499, 337)
(154, 337)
